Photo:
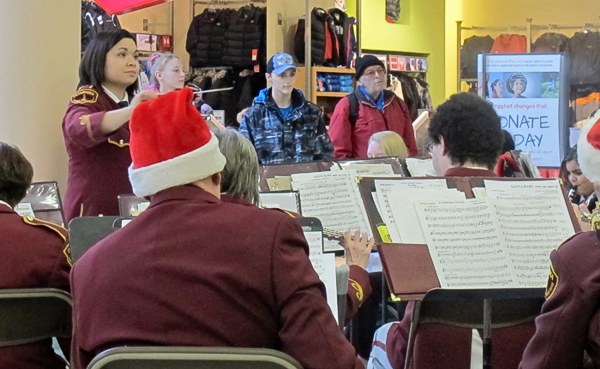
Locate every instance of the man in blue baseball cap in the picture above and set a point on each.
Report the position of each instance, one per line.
(281, 124)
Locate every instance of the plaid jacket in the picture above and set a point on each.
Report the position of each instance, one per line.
(302, 137)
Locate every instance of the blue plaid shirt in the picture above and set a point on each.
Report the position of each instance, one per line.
(299, 138)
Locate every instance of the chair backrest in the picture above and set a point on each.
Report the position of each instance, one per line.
(32, 314)
(84, 232)
(173, 357)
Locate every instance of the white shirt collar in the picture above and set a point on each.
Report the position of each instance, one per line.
(114, 97)
(5, 203)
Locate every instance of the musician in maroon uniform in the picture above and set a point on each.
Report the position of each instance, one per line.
(240, 184)
(35, 254)
(192, 270)
(95, 125)
(466, 140)
(568, 329)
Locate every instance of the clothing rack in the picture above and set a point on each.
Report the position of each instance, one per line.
(222, 2)
(524, 29)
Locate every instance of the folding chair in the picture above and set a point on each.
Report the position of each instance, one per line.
(84, 232)
(32, 314)
(173, 357)
(475, 309)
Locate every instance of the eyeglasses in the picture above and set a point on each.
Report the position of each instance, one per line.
(371, 73)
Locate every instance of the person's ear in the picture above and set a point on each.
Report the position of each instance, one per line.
(443, 146)
(216, 179)
(268, 76)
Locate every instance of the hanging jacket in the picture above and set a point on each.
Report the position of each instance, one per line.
(349, 41)
(339, 20)
(468, 54)
(510, 44)
(392, 10)
(93, 20)
(584, 48)
(205, 37)
(550, 42)
(244, 44)
(319, 37)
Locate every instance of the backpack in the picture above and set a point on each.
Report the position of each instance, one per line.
(353, 116)
(93, 20)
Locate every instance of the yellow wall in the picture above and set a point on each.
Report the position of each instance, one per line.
(421, 30)
(38, 70)
(511, 13)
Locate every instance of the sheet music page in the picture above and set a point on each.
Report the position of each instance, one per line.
(420, 167)
(383, 186)
(533, 220)
(24, 209)
(324, 265)
(280, 200)
(465, 244)
(373, 170)
(334, 198)
(404, 214)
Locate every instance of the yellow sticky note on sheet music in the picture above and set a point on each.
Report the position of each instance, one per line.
(384, 233)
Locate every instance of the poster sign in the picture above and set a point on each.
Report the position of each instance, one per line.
(527, 93)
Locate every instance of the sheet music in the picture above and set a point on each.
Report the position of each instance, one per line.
(383, 186)
(333, 197)
(324, 265)
(280, 200)
(279, 183)
(24, 209)
(404, 214)
(534, 220)
(465, 244)
(373, 170)
(420, 167)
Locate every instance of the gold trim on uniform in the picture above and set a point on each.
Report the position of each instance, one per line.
(552, 283)
(119, 143)
(85, 95)
(67, 253)
(62, 232)
(360, 295)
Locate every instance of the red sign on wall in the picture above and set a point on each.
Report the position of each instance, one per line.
(125, 6)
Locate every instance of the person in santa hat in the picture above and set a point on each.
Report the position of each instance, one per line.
(192, 270)
(568, 328)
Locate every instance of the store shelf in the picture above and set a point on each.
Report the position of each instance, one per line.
(330, 94)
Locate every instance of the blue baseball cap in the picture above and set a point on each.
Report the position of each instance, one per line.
(280, 62)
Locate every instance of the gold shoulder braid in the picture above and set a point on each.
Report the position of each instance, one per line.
(595, 218)
(85, 95)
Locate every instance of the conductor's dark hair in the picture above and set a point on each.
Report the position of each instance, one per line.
(16, 174)
(571, 155)
(509, 143)
(470, 128)
(91, 68)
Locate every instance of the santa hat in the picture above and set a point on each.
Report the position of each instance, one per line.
(170, 144)
(588, 148)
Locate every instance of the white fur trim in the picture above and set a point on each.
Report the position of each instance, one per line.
(181, 170)
(587, 155)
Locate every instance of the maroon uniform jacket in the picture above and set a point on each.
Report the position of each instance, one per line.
(35, 254)
(359, 285)
(569, 324)
(192, 270)
(97, 163)
(445, 346)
